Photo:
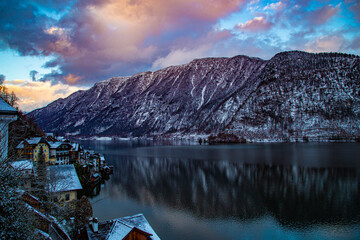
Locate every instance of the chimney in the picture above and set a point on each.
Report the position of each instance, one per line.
(95, 225)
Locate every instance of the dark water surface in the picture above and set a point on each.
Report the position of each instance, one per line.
(252, 191)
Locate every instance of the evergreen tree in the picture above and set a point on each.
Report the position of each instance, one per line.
(41, 182)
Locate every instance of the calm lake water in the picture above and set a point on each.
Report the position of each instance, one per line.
(251, 191)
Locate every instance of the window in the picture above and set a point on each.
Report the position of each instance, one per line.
(67, 197)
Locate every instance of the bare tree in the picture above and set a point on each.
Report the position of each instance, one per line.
(14, 217)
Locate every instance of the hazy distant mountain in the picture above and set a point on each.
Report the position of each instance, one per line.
(294, 94)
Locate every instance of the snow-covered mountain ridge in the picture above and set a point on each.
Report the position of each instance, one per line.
(294, 94)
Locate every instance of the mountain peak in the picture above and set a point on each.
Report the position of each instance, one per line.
(292, 95)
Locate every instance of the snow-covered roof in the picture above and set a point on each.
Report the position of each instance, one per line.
(139, 221)
(31, 141)
(63, 178)
(55, 144)
(119, 228)
(20, 145)
(5, 108)
(34, 140)
(119, 231)
(22, 165)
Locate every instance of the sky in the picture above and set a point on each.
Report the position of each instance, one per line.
(52, 48)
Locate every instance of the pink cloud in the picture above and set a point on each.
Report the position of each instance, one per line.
(95, 38)
(255, 25)
(328, 43)
(321, 15)
(356, 10)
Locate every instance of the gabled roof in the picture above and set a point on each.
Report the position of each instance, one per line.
(32, 141)
(63, 178)
(58, 144)
(55, 144)
(118, 229)
(139, 221)
(5, 108)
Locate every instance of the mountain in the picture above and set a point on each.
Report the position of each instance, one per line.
(292, 95)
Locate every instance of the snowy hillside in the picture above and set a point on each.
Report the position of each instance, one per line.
(294, 94)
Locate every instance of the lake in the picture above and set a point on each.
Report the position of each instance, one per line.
(250, 191)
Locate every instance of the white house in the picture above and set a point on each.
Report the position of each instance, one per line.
(8, 114)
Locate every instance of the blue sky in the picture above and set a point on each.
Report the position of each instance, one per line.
(69, 45)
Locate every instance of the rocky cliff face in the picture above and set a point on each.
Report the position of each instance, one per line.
(294, 94)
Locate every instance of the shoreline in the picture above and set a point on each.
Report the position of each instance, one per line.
(194, 138)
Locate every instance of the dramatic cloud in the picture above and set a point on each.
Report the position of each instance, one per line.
(255, 25)
(21, 28)
(91, 40)
(131, 32)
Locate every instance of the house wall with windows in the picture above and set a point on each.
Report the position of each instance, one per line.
(65, 196)
(46, 151)
(8, 114)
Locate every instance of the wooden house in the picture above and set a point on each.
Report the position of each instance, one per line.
(26, 169)
(127, 228)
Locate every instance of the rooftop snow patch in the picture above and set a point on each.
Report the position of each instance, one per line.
(63, 178)
(5, 108)
(22, 165)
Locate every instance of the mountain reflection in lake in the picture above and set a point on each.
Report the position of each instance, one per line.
(235, 192)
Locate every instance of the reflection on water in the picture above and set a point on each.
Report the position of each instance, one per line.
(222, 189)
(316, 192)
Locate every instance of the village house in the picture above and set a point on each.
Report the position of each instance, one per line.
(30, 148)
(126, 228)
(60, 153)
(8, 114)
(64, 183)
(75, 153)
(26, 169)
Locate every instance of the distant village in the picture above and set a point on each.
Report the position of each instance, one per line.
(57, 209)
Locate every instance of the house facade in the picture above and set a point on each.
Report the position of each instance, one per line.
(8, 114)
(64, 183)
(30, 149)
(60, 153)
